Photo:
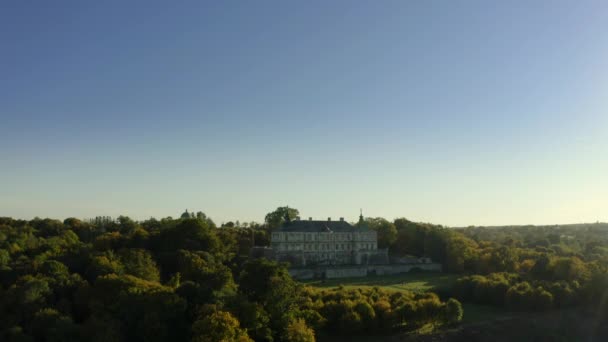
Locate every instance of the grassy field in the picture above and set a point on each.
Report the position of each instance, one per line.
(485, 323)
(417, 282)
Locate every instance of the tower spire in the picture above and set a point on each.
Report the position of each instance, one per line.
(361, 215)
(287, 218)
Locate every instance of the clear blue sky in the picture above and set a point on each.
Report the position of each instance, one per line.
(452, 112)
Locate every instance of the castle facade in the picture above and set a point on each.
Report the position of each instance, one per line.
(319, 242)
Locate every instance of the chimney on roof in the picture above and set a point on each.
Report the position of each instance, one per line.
(341, 218)
(329, 219)
(310, 218)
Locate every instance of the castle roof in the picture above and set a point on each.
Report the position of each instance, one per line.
(310, 226)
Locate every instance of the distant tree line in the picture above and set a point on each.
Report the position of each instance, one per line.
(520, 267)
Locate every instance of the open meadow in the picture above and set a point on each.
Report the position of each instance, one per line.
(481, 322)
(415, 282)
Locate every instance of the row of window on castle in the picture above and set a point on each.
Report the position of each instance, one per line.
(324, 237)
(313, 237)
(323, 247)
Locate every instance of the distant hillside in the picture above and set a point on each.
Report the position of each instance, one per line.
(596, 225)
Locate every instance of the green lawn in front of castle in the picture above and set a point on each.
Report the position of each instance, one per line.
(416, 282)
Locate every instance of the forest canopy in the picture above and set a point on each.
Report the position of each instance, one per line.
(189, 279)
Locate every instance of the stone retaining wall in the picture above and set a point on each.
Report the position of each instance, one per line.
(359, 271)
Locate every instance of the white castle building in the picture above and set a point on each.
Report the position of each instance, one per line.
(312, 242)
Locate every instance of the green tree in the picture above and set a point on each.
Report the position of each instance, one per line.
(202, 217)
(212, 278)
(48, 227)
(101, 265)
(219, 326)
(254, 318)
(109, 241)
(453, 311)
(385, 317)
(410, 237)
(520, 296)
(298, 331)
(366, 312)
(84, 230)
(5, 258)
(255, 280)
(387, 233)
(50, 325)
(139, 262)
(268, 283)
(276, 218)
(29, 293)
(460, 252)
(504, 259)
(428, 309)
(542, 299)
(570, 269)
(145, 310)
(127, 225)
(188, 234)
